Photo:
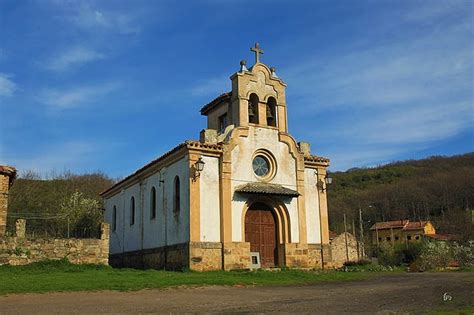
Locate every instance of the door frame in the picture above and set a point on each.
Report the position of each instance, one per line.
(281, 215)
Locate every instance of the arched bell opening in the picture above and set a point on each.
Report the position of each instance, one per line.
(253, 108)
(271, 112)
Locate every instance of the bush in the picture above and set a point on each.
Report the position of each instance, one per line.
(464, 255)
(361, 262)
(400, 254)
(434, 255)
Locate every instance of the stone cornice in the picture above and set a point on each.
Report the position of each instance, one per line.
(313, 161)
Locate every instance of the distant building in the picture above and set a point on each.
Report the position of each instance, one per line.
(401, 231)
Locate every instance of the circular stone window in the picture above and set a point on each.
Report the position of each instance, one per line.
(264, 165)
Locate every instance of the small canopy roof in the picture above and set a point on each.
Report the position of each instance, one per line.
(266, 189)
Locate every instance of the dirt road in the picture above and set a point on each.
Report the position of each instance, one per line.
(396, 292)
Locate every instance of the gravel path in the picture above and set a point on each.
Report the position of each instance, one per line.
(412, 293)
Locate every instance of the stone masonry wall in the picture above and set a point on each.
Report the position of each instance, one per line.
(236, 255)
(205, 256)
(296, 255)
(19, 250)
(4, 187)
(338, 249)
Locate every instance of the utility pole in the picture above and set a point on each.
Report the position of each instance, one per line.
(361, 226)
(345, 237)
(357, 242)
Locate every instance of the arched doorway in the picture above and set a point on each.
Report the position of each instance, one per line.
(261, 232)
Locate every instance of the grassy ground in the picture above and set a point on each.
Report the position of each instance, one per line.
(62, 276)
(465, 310)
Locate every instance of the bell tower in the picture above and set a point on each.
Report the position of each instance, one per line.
(258, 96)
(257, 99)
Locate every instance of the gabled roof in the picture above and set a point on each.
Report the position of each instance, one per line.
(416, 225)
(221, 98)
(187, 144)
(400, 224)
(266, 189)
(397, 224)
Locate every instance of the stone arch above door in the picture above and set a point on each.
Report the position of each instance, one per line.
(280, 211)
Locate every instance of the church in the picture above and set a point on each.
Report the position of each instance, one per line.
(246, 195)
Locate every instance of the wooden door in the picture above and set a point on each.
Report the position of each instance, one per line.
(260, 231)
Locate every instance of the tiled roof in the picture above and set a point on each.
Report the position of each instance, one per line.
(221, 98)
(317, 159)
(10, 171)
(397, 224)
(188, 144)
(400, 224)
(416, 225)
(266, 189)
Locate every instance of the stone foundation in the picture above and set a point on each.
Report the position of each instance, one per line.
(296, 255)
(319, 256)
(173, 257)
(205, 256)
(236, 255)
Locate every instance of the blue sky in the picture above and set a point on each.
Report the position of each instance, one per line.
(111, 85)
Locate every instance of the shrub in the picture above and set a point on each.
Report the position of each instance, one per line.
(464, 255)
(434, 255)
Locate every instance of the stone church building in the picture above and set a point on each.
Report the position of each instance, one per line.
(246, 195)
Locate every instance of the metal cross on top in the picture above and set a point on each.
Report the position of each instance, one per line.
(257, 52)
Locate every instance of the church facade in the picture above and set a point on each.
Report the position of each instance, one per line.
(245, 195)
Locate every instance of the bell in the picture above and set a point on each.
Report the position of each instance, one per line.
(251, 113)
(269, 112)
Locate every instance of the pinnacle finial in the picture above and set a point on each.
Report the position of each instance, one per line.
(243, 65)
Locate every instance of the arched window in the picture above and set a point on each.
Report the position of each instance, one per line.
(176, 197)
(271, 112)
(153, 203)
(132, 211)
(114, 219)
(253, 108)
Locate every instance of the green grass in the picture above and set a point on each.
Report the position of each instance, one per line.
(463, 310)
(62, 276)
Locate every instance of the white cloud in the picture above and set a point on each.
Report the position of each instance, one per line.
(7, 86)
(389, 99)
(72, 57)
(211, 87)
(88, 17)
(75, 97)
(69, 155)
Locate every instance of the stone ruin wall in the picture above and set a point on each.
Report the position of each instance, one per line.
(19, 250)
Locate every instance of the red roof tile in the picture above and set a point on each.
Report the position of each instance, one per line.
(397, 224)
(416, 225)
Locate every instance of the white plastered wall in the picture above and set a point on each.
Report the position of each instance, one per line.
(147, 232)
(242, 173)
(313, 226)
(210, 201)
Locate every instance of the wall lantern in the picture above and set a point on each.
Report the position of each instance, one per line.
(199, 165)
(322, 185)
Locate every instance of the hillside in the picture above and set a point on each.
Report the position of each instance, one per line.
(437, 188)
(40, 201)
